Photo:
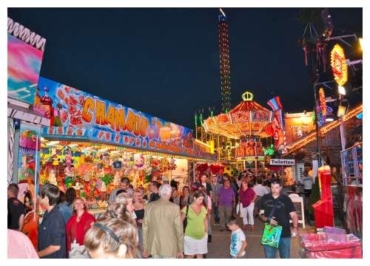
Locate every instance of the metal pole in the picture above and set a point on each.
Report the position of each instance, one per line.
(341, 125)
(342, 135)
(318, 137)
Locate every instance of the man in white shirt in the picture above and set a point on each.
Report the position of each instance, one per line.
(307, 184)
(260, 191)
(124, 186)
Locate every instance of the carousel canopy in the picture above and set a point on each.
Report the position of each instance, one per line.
(246, 119)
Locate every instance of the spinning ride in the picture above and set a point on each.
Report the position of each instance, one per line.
(247, 119)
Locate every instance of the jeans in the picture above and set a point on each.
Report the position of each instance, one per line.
(216, 214)
(209, 224)
(140, 233)
(225, 215)
(284, 249)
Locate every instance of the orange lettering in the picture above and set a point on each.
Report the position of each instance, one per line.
(88, 105)
(100, 112)
(110, 117)
(119, 116)
(158, 125)
(131, 122)
(143, 126)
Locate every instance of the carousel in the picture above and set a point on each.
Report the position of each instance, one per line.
(244, 127)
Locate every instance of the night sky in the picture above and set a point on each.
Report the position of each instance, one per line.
(165, 61)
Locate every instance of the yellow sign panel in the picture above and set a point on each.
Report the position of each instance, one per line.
(339, 65)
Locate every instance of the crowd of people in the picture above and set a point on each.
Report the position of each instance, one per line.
(164, 223)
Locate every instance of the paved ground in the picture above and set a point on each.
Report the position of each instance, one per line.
(219, 247)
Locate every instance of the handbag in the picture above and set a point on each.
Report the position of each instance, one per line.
(237, 209)
(271, 233)
(185, 222)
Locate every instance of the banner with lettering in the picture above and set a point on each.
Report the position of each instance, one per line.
(80, 115)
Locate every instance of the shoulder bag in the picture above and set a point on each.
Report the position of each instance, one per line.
(185, 222)
(271, 233)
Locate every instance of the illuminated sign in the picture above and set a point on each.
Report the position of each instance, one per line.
(322, 101)
(298, 125)
(25, 34)
(339, 65)
(282, 162)
(75, 114)
(24, 65)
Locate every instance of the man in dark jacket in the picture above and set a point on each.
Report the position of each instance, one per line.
(16, 209)
(52, 232)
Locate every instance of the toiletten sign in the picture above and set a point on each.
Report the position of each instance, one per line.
(284, 162)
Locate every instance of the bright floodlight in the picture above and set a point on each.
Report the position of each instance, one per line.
(341, 90)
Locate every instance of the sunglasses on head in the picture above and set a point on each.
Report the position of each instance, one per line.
(107, 231)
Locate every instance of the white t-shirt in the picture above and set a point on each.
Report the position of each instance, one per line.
(260, 190)
(236, 242)
(307, 182)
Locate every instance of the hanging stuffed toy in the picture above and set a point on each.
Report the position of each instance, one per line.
(139, 162)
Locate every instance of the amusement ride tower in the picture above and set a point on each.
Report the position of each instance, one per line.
(219, 142)
(223, 35)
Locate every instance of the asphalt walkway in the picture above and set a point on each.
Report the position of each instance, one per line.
(219, 247)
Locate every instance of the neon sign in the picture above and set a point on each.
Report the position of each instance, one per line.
(339, 65)
(322, 101)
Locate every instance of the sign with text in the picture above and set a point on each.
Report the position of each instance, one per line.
(80, 115)
(287, 162)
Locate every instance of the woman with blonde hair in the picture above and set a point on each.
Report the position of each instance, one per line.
(122, 208)
(112, 238)
(139, 204)
(78, 224)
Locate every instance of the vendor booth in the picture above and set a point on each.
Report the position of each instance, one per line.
(91, 143)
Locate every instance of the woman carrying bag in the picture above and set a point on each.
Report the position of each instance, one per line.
(196, 231)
